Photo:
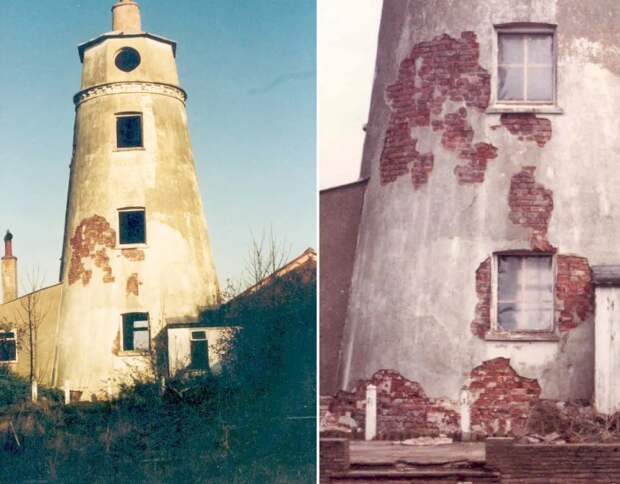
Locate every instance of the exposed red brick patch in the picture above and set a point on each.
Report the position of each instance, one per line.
(91, 239)
(133, 254)
(403, 409)
(482, 319)
(574, 294)
(574, 291)
(133, 285)
(478, 156)
(531, 205)
(434, 72)
(501, 399)
(527, 127)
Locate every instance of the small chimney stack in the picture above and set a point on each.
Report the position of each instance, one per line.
(126, 17)
(9, 270)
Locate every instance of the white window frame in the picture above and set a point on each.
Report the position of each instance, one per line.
(134, 352)
(206, 340)
(14, 331)
(524, 106)
(498, 334)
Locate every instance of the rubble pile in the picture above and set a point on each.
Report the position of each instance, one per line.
(570, 422)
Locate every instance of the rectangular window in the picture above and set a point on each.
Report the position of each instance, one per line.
(136, 335)
(8, 346)
(199, 351)
(132, 226)
(129, 131)
(525, 293)
(526, 66)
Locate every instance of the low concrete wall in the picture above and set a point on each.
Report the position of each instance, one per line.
(553, 463)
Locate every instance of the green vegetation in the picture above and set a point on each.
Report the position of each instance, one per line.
(252, 423)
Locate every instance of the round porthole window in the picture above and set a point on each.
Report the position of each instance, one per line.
(127, 59)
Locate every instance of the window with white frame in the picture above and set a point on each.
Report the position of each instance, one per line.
(8, 346)
(526, 69)
(199, 350)
(136, 334)
(524, 293)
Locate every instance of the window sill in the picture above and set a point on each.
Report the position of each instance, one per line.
(131, 246)
(523, 336)
(133, 148)
(134, 353)
(524, 108)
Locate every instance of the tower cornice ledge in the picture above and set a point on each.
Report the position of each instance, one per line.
(130, 87)
(123, 35)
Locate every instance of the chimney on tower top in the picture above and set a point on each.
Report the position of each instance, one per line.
(9, 270)
(126, 17)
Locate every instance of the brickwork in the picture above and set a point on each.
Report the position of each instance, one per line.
(574, 291)
(133, 285)
(482, 319)
(553, 463)
(502, 400)
(501, 404)
(444, 69)
(403, 409)
(527, 127)
(334, 455)
(91, 240)
(531, 205)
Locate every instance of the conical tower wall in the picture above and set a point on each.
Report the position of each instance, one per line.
(458, 178)
(168, 274)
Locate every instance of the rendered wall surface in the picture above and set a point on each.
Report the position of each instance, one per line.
(179, 347)
(340, 210)
(43, 308)
(451, 183)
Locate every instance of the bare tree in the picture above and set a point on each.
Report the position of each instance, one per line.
(265, 256)
(31, 314)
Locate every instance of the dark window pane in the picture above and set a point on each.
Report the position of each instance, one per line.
(8, 350)
(136, 332)
(200, 355)
(129, 131)
(199, 335)
(127, 59)
(131, 227)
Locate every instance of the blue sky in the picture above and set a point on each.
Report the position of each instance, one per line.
(249, 69)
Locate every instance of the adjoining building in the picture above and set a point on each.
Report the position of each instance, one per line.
(136, 254)
(484, 275)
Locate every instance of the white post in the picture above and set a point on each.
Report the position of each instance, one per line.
(465, 411)
(371, 412)
(34, 391)
(67, 393)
